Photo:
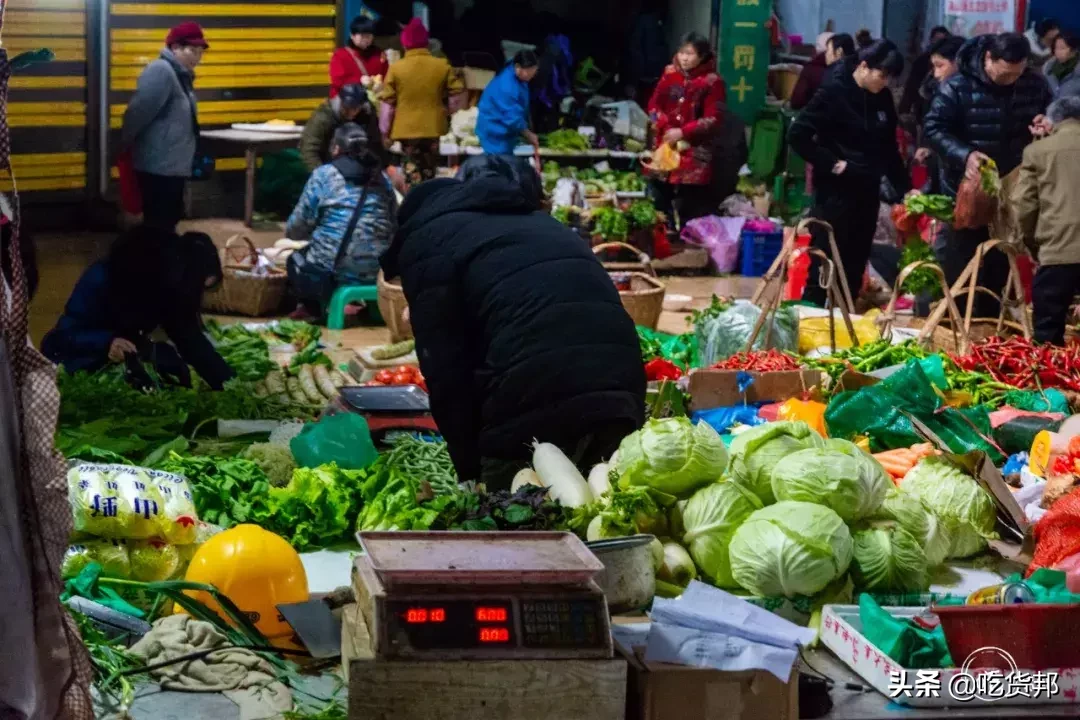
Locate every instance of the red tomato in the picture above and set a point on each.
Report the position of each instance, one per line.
(402, 379)
(384, 376)
(409, 370)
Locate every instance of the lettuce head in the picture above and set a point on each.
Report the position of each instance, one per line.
(789, 549)
(965, 509)
(921, 523)
(887, 558)
(756, 452)
(710, 520)
(672, 455)
(843, 482)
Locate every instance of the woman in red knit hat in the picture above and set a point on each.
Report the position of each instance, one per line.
(415, 99)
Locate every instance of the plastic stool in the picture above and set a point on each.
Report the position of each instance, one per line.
(335, 314)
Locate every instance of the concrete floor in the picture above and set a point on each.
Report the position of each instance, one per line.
(63, 258)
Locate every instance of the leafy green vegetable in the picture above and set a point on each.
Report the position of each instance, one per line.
(710, 520)
(923, 525)
(424, 460)
(610, 224)
(109, 658)
(641, 215)
(298, 334)
(829, 477)
(394, 501)
(275, 460)
(317, 508)
(924, 279)
(964, 507)
(756, 452)
(244, 350)
(672, 455)
(565, 140)
(623, 512)
(939, 207)
(789, 549)
(886, 558)
(310, 355)
(227, 491)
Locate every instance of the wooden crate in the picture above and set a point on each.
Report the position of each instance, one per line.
(470, 690)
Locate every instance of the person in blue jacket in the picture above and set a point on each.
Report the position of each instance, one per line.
(148, 281)
(504, 107)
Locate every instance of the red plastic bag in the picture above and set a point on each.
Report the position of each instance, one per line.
(1057, 534)
(130, 197)
(974, 208)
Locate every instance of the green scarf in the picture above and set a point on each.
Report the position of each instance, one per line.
(1062, 70)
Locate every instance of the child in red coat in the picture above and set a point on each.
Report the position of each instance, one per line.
(686, 109)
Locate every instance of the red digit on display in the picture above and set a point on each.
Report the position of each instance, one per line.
(494, 635)
(490, 614)
(416, 616)
(438, 615)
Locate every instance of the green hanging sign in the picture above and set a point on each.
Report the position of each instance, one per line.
(744, 54)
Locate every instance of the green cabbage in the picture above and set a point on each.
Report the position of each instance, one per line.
(886, 558)
(851, 487)
(922, 524)
(756, 452)
(873, 475)
(153, 561)
(111, 555)
(710, 519)
(789, 549)
(965, 509)
(672, 455)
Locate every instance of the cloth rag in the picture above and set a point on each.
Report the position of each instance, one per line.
(241, 675)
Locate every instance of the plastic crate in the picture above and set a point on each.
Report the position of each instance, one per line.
(758, 250)
(1037, 637)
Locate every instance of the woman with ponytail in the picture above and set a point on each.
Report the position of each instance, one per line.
(348, 212)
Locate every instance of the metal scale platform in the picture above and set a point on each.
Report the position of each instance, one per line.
(481, 596)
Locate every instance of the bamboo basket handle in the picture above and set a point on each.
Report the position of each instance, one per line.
(961, 337)
(643, 258)
(834, 251)
(232, 260)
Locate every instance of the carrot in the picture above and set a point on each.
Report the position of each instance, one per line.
(897, 468)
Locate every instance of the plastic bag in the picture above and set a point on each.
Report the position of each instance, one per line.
(808, 411)
(974, 208)
(111, 555)
(879, 411)
(814, 331)
(665, 158)
(1049, 400)
(721, 419)
(727, 333)
(179, 521)
(115, 501)
(342, 438)
(720, 236)
(153, 560)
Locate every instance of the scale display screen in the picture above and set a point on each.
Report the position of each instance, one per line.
(535, 623)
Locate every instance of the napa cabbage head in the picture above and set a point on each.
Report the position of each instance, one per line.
(710, 520)
(887, 558)
(672, 455)
(921, 523)
(789, 549)
(756, 452)
(832, 478)
(965, 509)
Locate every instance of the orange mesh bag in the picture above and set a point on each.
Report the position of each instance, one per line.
(1057, 534)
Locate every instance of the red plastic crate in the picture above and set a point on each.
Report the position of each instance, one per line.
(1038, 637)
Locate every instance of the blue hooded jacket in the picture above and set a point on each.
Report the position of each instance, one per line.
(504, 113)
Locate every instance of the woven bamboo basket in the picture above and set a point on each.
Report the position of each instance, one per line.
(240, 292)
(642, 264)
(391, 306)
(644, 301)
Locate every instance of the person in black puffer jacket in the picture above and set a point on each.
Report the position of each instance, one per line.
(848, 134)
(984, 110)
(520, 332)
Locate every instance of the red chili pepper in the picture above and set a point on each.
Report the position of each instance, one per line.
(661, 369)
(1062, 465)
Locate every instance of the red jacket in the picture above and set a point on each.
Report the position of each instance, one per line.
(810, 81)
(344, 69)
(692, 102)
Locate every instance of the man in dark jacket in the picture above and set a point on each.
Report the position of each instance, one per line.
(912, 100)
(986, 110)
(520, 332)
(350, 105)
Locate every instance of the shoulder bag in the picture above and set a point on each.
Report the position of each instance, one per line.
(312, 283)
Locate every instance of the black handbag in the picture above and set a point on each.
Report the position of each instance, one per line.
(316, 284)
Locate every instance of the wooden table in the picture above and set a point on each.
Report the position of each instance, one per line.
(253, 143)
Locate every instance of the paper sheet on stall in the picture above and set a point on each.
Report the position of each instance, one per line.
(708, 627)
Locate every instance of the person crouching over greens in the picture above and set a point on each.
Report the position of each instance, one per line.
(149, 281)
(347, 212)
(848, 133)
(351, 105)
(519, 330)
(1048, 215)
(503, 119)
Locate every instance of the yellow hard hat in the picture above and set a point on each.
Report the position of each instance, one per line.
(257, 570)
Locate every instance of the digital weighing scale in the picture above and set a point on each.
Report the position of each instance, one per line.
(481, 596)
(387, 408)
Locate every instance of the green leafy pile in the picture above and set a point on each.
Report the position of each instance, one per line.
(424, 460)
(939, 207)
(924, 279)
(318, 507)
(226, 491)
(298, 334)
(244, 350)
(610, 224)
(565, 141)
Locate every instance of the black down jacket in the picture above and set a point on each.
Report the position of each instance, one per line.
(970, 113)
(519, 330)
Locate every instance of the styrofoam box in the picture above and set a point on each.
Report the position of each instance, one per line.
(841, 632)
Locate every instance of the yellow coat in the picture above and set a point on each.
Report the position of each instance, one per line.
(419, 86)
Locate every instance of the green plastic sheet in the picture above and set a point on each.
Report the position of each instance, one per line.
(341, 438)
(912, 646)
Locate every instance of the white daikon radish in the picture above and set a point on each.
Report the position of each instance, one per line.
(593, 531)
(560, 476)
(613, 461)
(525, 477)
(598, 479)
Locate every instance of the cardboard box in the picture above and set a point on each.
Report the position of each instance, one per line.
(659, 691)
(720, 388)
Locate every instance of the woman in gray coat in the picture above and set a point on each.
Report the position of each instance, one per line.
(161, 126)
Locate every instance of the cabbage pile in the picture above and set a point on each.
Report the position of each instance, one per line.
(672, 456)
(964, 508)
(709, 522)
(853, 486)
(757, 451)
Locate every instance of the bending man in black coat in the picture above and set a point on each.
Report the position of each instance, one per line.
(984, 111)
(519, 330)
